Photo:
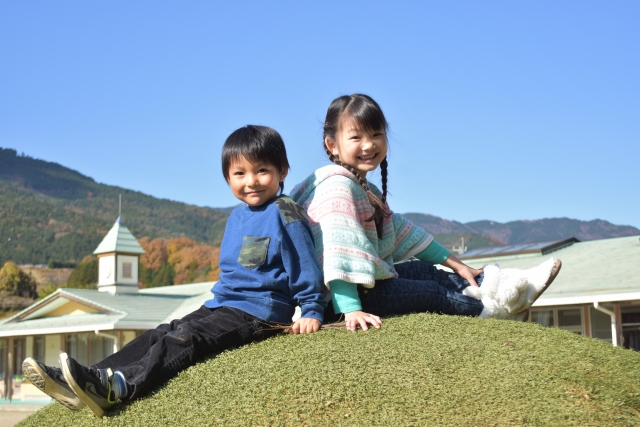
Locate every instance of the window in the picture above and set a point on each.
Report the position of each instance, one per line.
(77, 346)
(3, 358)
(126, 270)
(38, 348)
(565, 318)
(87, 348)
(631, 327)
(543, 317)
(600, 324)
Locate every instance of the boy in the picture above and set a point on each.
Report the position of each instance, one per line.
(268, 266)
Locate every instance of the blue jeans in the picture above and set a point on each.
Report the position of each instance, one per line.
(419, 288)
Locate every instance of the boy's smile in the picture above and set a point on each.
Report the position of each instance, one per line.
(254, 183)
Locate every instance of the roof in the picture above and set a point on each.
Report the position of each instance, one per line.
(104, 311)
(523, 248)
(119, 239)
(595, 271)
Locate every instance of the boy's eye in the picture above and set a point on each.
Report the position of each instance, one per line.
(378, 134)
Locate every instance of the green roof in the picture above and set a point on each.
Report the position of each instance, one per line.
(605, 270)
(119, 239)
(140, 311)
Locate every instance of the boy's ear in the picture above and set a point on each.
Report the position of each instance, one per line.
(331, 146)
(283, 174)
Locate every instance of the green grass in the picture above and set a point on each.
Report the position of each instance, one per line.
(417, 370)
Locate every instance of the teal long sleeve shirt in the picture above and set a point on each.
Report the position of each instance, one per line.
(344, 295)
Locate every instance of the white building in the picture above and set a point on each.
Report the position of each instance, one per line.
(596, 294)
(90, 325)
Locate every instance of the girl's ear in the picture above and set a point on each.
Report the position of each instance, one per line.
(331, 145)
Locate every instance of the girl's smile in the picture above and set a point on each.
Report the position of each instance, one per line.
(361, 149)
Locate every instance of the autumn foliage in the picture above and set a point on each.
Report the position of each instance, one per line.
(177, 261)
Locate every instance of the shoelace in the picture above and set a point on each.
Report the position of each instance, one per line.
(106, 376)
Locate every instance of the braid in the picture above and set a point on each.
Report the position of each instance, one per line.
(336, 160)
(379, 210)
(383, 173)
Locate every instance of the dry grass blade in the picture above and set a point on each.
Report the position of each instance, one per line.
(287, 327)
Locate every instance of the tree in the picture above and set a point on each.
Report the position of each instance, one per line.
(85, 275)
(164, 277)
(15, 282)
(176, 261)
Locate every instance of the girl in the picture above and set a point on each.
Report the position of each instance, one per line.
(359, 239)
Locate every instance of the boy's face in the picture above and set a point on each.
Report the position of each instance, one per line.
(254, 183)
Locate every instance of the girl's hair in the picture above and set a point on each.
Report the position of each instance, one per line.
(256, 144)
(368, 116)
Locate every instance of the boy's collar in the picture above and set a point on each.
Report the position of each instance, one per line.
(264, 205)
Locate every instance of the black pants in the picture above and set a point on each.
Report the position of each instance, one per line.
(159, 354)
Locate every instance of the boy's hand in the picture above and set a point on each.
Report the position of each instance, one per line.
(355, 318)
(305, 325)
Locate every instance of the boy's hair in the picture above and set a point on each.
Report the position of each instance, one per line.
(368, 116)
(256, 144)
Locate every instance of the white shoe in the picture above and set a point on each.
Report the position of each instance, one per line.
(509, 293)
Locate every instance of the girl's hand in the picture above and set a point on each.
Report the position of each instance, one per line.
(355, 318)
(305, 325)
(462, 269)
(469, 274)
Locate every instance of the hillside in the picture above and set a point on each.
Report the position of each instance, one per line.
(48, 212)
(488, 233)
(418, 370)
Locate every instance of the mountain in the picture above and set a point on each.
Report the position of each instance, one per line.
(48, 211)
(488, 233)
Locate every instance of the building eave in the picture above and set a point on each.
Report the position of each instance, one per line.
(60, 330)
(588, 299)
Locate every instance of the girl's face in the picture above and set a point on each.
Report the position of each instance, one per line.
(360, 149)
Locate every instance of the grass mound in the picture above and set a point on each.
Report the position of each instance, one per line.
(420, 369)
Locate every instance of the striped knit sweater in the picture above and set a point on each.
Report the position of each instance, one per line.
(347, 247)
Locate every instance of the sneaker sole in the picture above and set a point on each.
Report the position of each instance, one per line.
(64, 365)
(554, 273)
(49, 386)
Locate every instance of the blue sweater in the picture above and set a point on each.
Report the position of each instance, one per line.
(268, 263)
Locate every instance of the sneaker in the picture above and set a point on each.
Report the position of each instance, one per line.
(50, 380)
(92, 386)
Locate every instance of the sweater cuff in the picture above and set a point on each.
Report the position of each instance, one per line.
(344, 296)
(435, 253)
(313, 311)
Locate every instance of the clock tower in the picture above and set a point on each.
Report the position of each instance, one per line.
(118, 260)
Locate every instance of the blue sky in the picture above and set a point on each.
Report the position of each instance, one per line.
(500, 110)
